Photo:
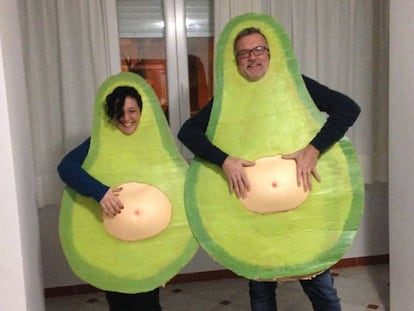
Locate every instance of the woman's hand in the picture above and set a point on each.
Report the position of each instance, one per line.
(110, 203)
(306, 160)
(237, 179)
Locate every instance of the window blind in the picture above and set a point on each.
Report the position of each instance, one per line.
(144, 18)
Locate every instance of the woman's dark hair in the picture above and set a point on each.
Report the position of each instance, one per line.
(245, 32)
(115, 101)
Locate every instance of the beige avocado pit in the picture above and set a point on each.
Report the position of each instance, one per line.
(273, 186)
(146, 212)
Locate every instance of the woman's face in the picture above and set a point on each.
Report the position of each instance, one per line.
(129, 121)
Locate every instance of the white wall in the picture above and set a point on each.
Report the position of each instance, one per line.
(372, 236)
(401, 154)
(20, 283)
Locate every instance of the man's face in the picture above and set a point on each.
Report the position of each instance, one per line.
(252, 60)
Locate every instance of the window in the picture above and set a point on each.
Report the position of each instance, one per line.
(159, 53)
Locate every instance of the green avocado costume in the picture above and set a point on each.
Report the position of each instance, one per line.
(251, 120)
(149, 156)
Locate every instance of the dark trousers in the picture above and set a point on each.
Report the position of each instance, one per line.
(148, 301)
(320, 291)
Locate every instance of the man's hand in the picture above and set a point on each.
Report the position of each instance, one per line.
(110, 203)
(306, 160)
(237, 179)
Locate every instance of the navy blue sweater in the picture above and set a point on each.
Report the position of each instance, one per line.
(71, 172)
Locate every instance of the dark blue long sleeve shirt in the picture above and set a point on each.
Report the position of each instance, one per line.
(71, 172)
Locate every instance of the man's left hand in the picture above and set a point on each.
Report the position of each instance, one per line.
(306, 161)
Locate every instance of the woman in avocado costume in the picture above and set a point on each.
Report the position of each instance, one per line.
(262, 108)
(122, 223)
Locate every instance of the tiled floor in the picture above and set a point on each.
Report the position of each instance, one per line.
(363, 288)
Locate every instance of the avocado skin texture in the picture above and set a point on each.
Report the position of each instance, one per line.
(149, 156)
(251, 120)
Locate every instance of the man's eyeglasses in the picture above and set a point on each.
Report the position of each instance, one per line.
(257, 51)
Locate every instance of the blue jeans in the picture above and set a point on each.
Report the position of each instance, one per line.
(320, 291)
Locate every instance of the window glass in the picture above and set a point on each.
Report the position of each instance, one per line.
(142, 46)
(200, 48)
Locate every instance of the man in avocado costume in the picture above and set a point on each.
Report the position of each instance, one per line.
(122, 224)
(262, 108)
